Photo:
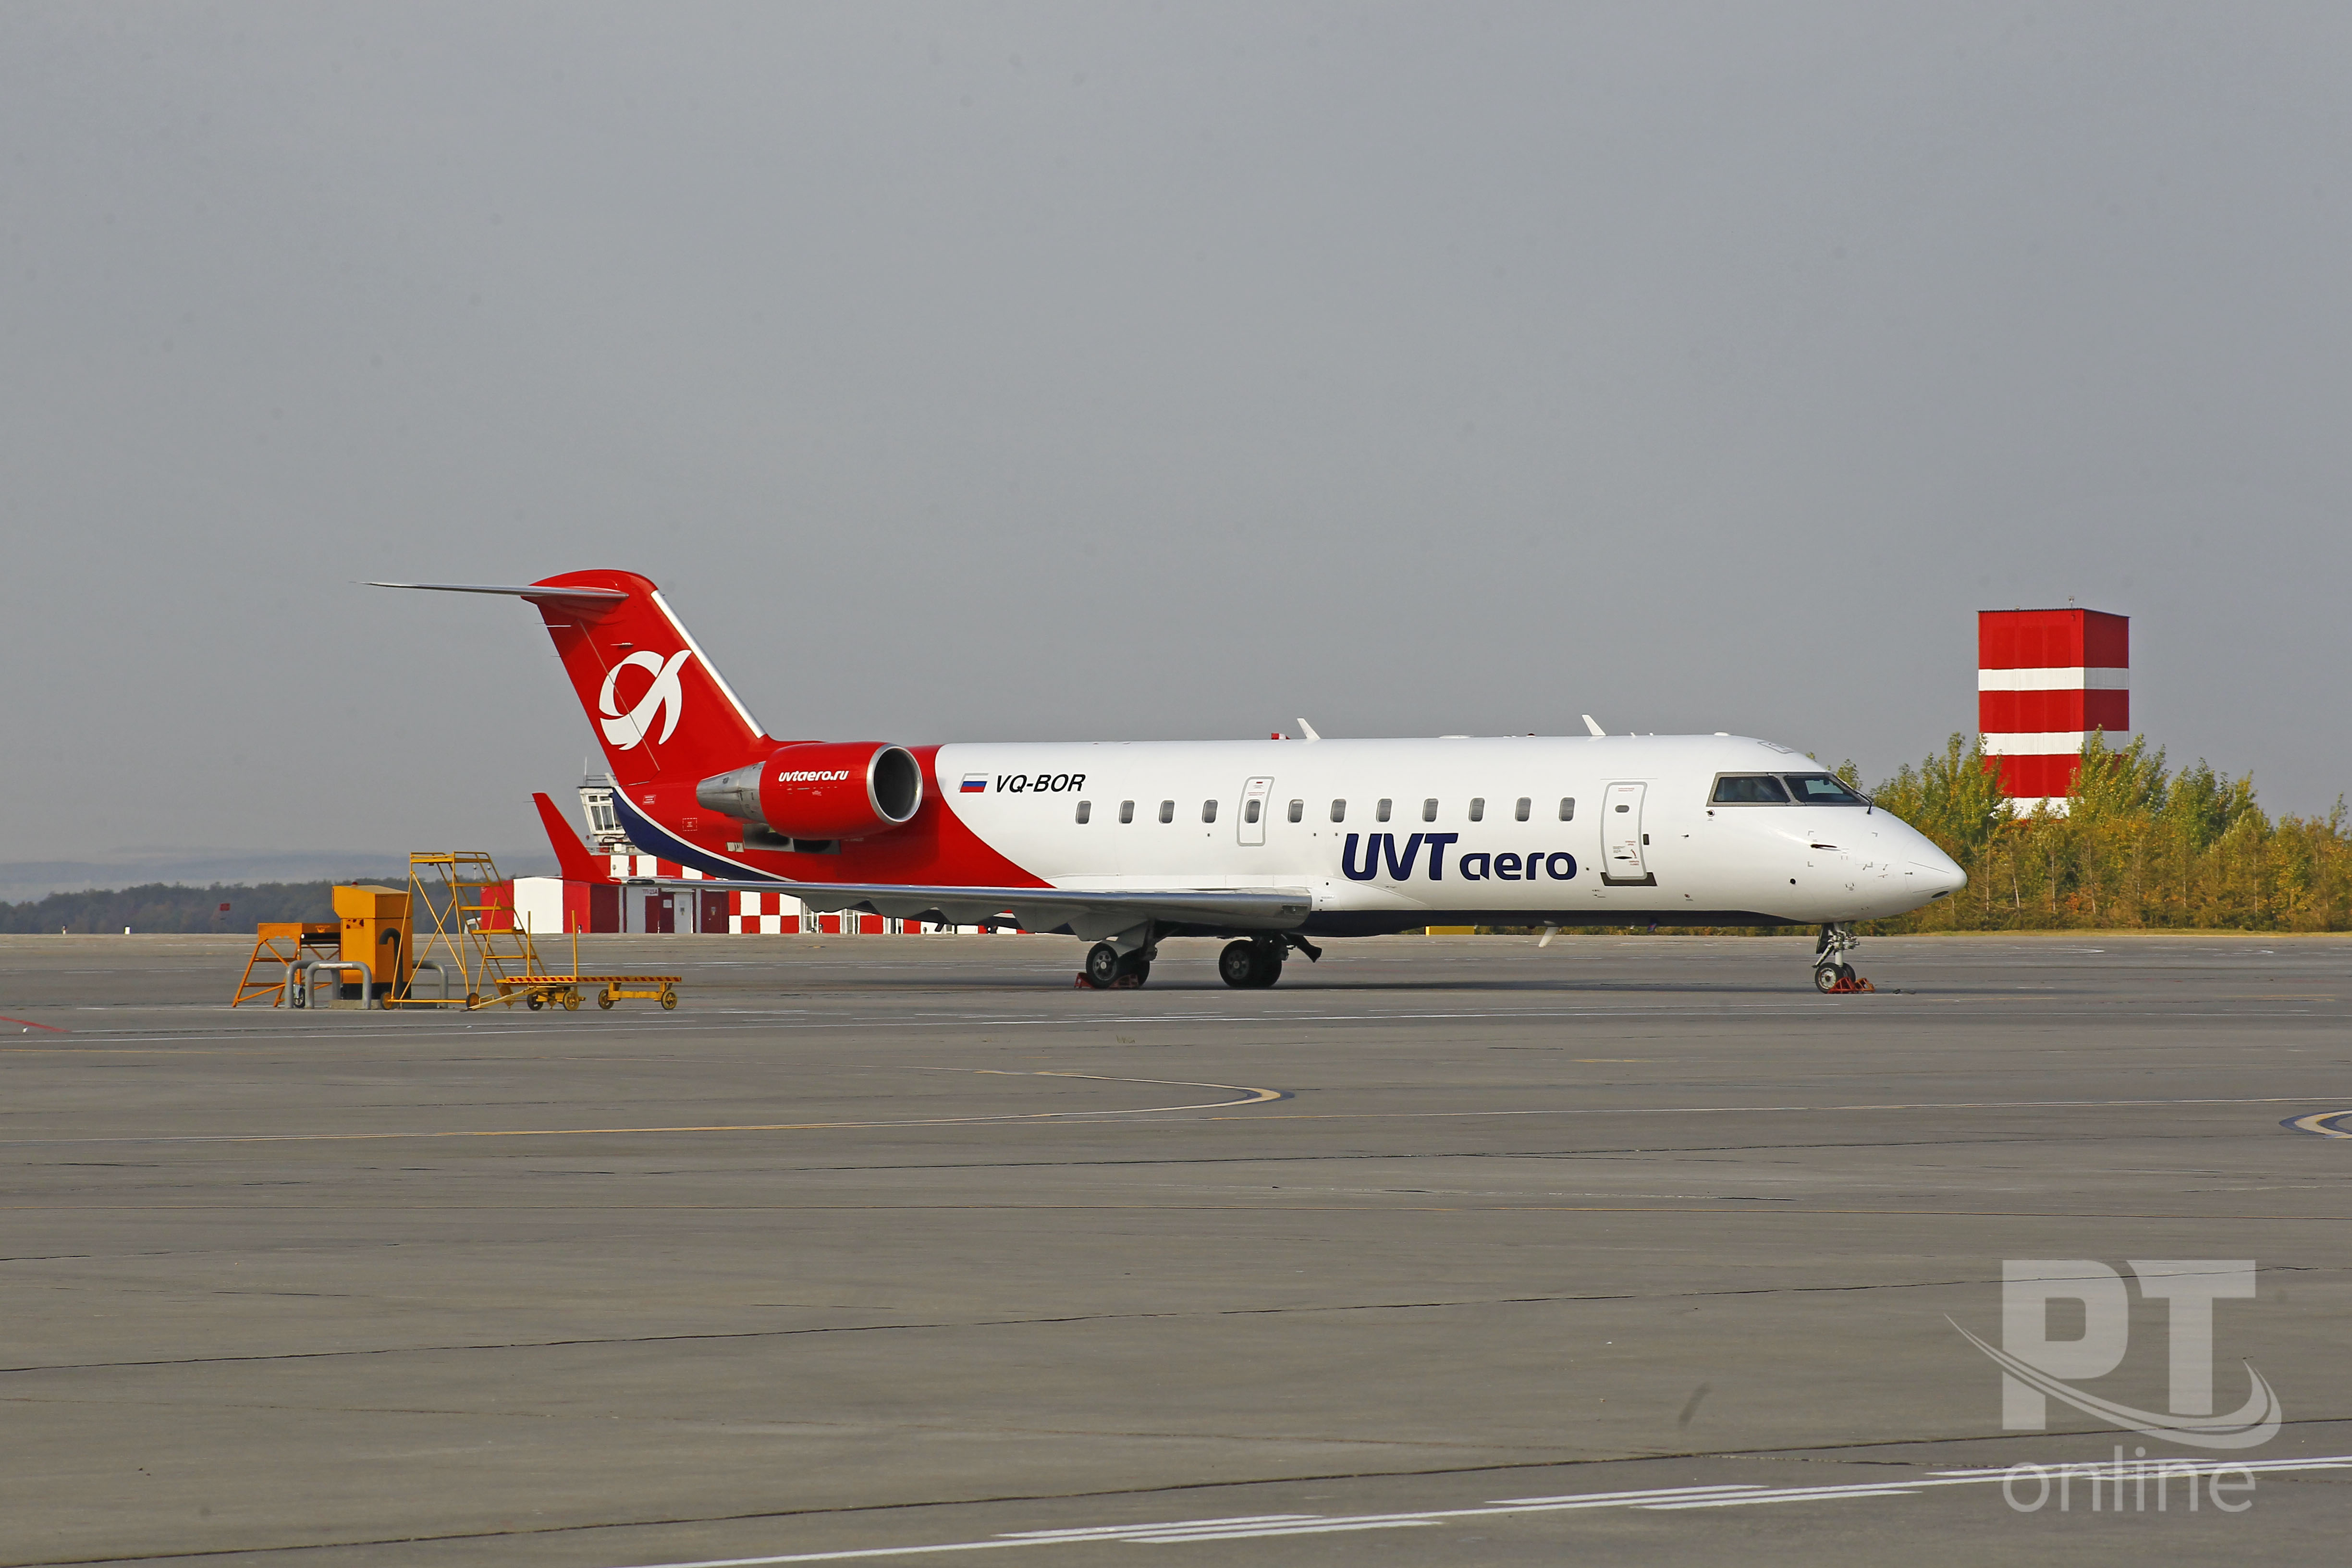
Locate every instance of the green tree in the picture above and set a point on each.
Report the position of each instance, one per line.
(2133, 845)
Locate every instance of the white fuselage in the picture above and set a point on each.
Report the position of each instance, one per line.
(1383, 834)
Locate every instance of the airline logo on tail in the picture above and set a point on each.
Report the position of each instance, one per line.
(662, 698)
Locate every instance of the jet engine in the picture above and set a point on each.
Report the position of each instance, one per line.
(821, 790)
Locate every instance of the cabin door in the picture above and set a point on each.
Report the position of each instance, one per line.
(1257, 799)
(1621, 837)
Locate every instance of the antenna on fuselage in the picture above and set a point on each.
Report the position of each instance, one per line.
(1593, 726)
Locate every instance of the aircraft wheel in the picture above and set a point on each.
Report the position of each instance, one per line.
(1103, 965)
(1139, 969)
(1826, 976)
(1237, 965)
(1269, 965)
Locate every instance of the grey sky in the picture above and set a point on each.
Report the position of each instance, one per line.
(1001, 372)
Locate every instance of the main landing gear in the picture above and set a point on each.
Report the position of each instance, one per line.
(1832, 976)
(1108, 969)
(1253, 964)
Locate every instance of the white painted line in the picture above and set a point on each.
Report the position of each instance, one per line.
(1657, 1499)
(1328, 1527)
(1095, 1531)
(1611, 1500)
(1807, 1494)
(1082, 1118)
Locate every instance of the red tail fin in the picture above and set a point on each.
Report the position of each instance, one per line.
(660, 709)
(572, 856)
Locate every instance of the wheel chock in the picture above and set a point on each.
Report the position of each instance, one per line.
(1850, 987)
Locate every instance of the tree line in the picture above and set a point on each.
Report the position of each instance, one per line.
(169, 907)
(2139, 845)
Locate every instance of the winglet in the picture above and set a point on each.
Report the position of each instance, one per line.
(1593, 726)
(1308, 730)
(571, 855)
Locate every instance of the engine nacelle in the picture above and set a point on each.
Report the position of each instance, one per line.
(823, 789)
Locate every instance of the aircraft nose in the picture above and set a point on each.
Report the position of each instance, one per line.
(1939, 871)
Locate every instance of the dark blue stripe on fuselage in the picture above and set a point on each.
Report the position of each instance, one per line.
(652, 839)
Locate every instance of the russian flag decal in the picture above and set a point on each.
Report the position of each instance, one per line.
(974, 783)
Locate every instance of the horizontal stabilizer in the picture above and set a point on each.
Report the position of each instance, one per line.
(584, 597)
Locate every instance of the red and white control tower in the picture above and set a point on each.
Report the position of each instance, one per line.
(2045, 679)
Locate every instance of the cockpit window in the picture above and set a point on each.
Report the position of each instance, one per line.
(1749, 789)
(1820, 789)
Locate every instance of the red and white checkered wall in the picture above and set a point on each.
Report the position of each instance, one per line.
(772, 914)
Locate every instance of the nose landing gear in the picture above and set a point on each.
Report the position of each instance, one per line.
(1833, 976)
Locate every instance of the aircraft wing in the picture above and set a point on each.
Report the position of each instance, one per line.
(1089, 916)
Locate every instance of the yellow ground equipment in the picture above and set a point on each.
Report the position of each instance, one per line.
(537, 991)
(377, 938)
(460, 892)
(470, 931)
(366, 947)
(288, 945)
(465, 907)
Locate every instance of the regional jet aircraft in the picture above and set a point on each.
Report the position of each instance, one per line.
(1266, 844)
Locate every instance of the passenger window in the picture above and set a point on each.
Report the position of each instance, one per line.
(1338, 811)
(1478, 808)
(1380, 811)
(1519, 812)
(1429, 811)
(1298, 811)
(1749, 789)
(1086, 811)
(1208, 811)
(1567, 809)
(1167, 811)
(1127, 811)
(1249, 810)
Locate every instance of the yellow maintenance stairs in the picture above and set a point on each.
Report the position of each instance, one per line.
(449, 923)
(287, 945)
